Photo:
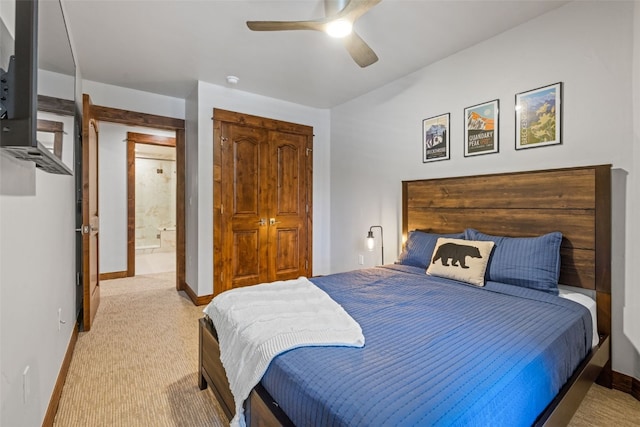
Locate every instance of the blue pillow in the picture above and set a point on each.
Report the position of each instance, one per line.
(419, 248)
(530, 262)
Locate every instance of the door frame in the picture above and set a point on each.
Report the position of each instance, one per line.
(134, 138)
(137, 119)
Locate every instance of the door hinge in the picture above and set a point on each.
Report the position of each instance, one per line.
(78, 278)
(221, 209)
(306, 208)
(306, 264)
(84, 229)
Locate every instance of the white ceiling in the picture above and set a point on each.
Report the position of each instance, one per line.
(166, 46)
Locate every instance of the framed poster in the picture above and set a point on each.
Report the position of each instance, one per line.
(435, 138)
(539, 117)
(481, 125)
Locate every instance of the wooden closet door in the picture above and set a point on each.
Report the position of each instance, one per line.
(288, 206)
(244, 169)
(262, 200)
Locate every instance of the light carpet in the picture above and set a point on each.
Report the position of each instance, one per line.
(138, 366)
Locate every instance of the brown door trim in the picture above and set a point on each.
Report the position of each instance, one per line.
(134, 138)
(132, 118)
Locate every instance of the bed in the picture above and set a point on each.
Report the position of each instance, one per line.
(436, 379)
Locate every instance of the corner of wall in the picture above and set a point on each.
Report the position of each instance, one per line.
(191, 189)
(631, 316)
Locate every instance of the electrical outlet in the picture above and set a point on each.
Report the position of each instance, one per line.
(26, 386)
(361, 259)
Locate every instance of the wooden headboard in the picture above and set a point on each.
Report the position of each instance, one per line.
(574, 201)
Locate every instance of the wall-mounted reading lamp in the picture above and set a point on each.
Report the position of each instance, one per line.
(371, 243)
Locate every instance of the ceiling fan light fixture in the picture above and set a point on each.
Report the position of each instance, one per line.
(339, 28)
(338, 22)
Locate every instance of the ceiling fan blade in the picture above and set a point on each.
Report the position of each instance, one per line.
(285, 25)
(359, 50)
(356, 8)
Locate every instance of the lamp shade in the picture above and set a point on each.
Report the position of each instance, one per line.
(371, 242)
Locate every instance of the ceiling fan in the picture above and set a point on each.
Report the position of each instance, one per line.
(338, 22)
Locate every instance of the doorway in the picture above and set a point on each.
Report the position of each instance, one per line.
(151, 121)
(151, 204)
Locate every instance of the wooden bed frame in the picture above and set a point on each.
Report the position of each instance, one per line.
(575, 201)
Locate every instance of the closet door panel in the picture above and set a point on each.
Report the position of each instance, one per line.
(246, 177)
(244, 163)
(288, 170)
(287, 231)
(288, 247)
(246, 258)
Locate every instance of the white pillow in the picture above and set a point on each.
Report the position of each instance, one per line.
(462, 260)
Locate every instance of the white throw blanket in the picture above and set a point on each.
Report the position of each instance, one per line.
(257, 323)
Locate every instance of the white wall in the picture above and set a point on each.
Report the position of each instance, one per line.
(209, 96)
(37, 275)
(376, 139)
(58, 85)
(112, 192)
(133, 100)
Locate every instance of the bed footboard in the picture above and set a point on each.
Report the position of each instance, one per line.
(561, 409)
(260, 408)
(211, 371)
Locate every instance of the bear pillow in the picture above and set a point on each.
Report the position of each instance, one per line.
(461, 260)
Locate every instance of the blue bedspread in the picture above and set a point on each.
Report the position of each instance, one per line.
(437, 353)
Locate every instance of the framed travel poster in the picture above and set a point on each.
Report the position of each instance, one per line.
(481, 125)
(435, 138)
(539, 117)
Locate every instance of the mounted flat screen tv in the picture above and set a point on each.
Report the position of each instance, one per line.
(41, 51)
